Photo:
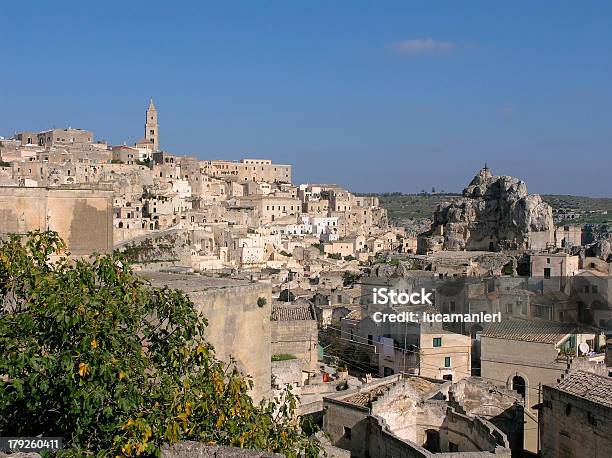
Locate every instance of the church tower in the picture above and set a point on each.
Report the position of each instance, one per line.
(152, 127)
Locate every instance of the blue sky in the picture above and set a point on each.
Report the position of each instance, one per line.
(377, 96)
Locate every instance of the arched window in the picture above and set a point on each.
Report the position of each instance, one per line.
(519, 385)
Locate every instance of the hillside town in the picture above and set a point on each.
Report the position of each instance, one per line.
(285, 273)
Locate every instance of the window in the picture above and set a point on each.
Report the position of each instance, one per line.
(594, 289)
(452, 447)
(519, 385)
(547, 260)
(452, 306)
(448, 377)
(447, 361)
(437, 341)
(509, 307)
(347, 432)
(546, 272)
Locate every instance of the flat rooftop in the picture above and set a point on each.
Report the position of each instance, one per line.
(191, 283)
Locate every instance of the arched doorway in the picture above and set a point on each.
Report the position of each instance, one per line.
(519, 385)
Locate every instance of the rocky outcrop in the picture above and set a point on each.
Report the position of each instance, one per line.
(598, 240)
(495, 213)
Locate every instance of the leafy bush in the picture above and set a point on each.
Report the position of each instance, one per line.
(350, 278)
(94, 354)
(286, 296)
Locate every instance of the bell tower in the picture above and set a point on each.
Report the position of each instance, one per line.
(152, 126)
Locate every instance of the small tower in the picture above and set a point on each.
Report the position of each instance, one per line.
(152, 127)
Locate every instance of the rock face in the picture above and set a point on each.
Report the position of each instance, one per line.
(495, 213)
(599, 241)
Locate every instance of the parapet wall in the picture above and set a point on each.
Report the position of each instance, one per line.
(382, 442)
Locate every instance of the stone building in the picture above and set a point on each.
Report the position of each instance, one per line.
(568, 236)
(576, 417)
(61, 137)
(502, 407)
(248, 170)
(82, 217)
(417, 348)
(408, 416)
(294, 331)
(151, 129)
(272, 208)
(524, 354)
(592, 291)
(238, 313)
(553, 270)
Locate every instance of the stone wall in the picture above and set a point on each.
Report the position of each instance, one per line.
(338, 417)
(238, 326)
(574, 427)
(383, 443)
(297, 338)
(501, 407)
(82, 217)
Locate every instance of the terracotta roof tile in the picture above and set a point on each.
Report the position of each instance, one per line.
(529, 330)
(290, 312)
(593, 387)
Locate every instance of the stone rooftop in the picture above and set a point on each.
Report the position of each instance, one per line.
(364, 396)
(191, 283)
(354, 315)
(529, 331)
(592, 387)
(282, 311)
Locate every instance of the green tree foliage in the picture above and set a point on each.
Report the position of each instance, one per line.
(350, 278)
(94, 354)
(286, 296)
